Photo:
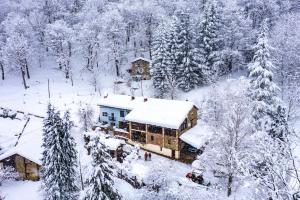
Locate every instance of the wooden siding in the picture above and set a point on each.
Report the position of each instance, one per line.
(161, 139)
(27, 169)
(145, 66)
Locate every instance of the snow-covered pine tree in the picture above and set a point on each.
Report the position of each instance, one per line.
(209, 42)
(270, 161)
(59, 157)
(188, 69)
(159, 62)
(100, 185)
(262, 88)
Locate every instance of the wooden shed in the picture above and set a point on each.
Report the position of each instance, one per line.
(27, 169)
(140, 68)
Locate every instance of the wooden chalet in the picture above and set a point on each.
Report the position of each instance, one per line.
(158, 124)
(140, 68)
(24, 152)
(27, 169)
(166, 127)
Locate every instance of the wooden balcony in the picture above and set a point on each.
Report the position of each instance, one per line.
(137, 126)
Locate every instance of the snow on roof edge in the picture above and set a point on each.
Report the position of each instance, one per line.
(16, 152)
(141, 58)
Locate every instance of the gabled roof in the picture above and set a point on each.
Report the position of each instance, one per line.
(141, 58)
(197, 136)
(30, 143)
(161, 112)
(120, 101)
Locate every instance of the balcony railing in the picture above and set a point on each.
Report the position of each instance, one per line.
(140, 127)
(112, 118)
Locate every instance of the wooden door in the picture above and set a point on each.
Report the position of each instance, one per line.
(173, 154)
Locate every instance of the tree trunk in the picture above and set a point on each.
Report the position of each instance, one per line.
(27, 69)
(2, 71)
(23, 77)
(229, 189)
(117, 67)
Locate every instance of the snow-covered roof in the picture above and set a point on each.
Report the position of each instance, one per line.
(109, 142)
(112, 143)
(197, 136)
(161, 112)
(141, 58)
(120, 101)
(30, 143)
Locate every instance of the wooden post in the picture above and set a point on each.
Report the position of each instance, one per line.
(130, 134)
(147, 134)
(163, 135)
(177, 139)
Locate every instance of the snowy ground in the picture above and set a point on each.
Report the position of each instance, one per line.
(65, 96)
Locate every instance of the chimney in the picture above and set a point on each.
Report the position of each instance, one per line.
(132, 98)
(145, 99)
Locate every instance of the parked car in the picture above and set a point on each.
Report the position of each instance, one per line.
(196, 176)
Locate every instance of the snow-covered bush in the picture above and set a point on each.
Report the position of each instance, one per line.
(86, 114)
(8, 173)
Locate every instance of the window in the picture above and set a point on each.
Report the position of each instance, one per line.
(152, 138)
(155, 129)
(104, 114)
(170, 132)
(112, 124)
(122, 113)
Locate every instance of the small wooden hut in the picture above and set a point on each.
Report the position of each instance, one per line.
(140, 68)
(27, 169)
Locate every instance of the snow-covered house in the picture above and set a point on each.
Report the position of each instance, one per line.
(114, 108)
(140, 68)
(23, 151)
(113, 145)
(155, 124)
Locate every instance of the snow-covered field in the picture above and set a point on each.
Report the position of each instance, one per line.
(67, 97)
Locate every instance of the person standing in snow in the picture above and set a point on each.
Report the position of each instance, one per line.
(146, 156)
(149, 156)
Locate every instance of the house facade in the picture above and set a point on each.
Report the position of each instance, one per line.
(27, 169)
(140, 68)
(155, 124)
(114, 117)
(158, 138)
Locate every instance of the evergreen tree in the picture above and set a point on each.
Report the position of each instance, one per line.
(100, 185)
(262, 88)
(159, 62)
(59, 157)
(188, 73)
(209, 41)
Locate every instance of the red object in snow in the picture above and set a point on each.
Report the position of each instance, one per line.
(189, 175)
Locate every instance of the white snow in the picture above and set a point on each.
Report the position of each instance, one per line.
(161, 112)
(25, 190)
(120, 101)
(109, 142)
(141, 58)
(29, 144)
(198, 135)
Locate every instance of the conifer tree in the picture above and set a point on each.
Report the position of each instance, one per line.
(59, 157)
(262, 88)
(188, 72)
(159, 62)
(100, 185)
(209, 42)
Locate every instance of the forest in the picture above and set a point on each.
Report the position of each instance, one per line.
(193, 45)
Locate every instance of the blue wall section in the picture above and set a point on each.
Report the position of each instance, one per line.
(113, 115)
